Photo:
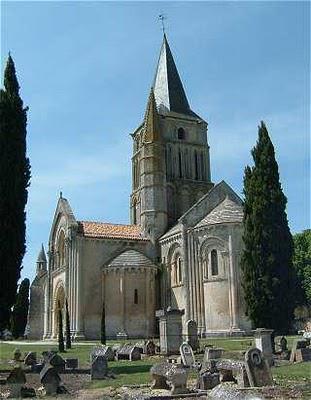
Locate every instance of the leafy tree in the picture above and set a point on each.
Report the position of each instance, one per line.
(268, 246)
(103, 326)
(14, 180)
(61, 346)
(68, 334)
(302, 264)
(20, 310)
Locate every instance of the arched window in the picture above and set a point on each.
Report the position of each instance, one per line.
(179, 271)
(61, 249)
(205, 268)
(135, 296)
(181, 134)
(214, 262)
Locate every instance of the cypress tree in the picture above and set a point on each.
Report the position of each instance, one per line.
(14, 180)
(20, 310)
(103, 326)
(68, 337)
(61, 346)
(268, 246)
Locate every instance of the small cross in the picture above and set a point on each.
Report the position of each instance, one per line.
(162, 17)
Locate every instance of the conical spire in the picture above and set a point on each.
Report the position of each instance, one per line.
(168, 89)
(151, 121)
(41, 256)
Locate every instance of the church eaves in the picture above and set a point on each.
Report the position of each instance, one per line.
(168, 89)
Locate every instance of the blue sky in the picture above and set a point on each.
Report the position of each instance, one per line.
(85, 70)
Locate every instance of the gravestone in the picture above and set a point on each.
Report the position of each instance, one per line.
(232, 370)
(47, 355)
(31, 358)
(263, 343)
(297, 344)
(99, 368)
(208, 378)
(50, 379)
(129, 352)
(187, 355)
(72, 363)
(15, 381)
(149, 348)
(192, 334)
(283, 344)
(211, 353)
(258, 370)
(170, 324)
(165, 375)
(303, 355)
(58, 363)
(97, 351)
(17, 355)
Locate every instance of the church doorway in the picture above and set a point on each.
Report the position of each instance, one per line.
(59, 304)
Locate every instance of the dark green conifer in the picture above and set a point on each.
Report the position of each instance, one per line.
(61, 346)
(14, 180)
(103, 326)
(268, 246)
(20, 310)
(68, 333)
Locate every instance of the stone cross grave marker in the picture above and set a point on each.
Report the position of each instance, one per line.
(192, 334)
(99, 368)
(258, 370)
(50, 379)
(187, 355)
(15, 381)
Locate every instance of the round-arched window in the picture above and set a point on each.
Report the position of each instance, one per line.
(181, 134)
(214, 262)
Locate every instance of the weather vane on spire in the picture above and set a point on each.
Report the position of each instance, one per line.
(162, 17)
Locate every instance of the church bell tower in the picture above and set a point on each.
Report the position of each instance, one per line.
(170, 163)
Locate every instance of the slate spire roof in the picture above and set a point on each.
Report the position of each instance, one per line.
(41, 256)
(167, 86)
(151, 121)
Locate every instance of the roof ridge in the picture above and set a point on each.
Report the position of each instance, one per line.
(106, 223)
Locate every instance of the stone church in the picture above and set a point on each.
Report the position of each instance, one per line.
(181, 249)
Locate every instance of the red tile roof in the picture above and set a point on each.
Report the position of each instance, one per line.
(109, 231)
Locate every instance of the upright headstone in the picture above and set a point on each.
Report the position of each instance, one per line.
(99, 368)
(149, 348)
(263, 343)
(170, 322)
(258, 370)
(298, 344)
(192, 334)
(187, 355)
(58, 363)
(31, 358)
(97, 351)
(50, 379)
(211, 353)
(15, 381)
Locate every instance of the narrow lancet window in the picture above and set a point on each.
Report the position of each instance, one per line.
(135, 296)
(181, 133)
(214, 262)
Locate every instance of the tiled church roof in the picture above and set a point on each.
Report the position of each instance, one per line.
(131, 258)
(109, 231)
(226, 212)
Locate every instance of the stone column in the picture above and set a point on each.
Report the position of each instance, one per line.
(186, 270)
(233, 288)
(79, 334)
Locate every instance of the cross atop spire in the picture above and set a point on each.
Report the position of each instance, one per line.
(168, 89)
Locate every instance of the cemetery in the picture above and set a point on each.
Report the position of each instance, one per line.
(218, 368)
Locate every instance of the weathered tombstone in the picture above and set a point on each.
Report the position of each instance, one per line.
(37, 368)
(47, 355)
(17, 354)
(303, 355)
(149, 348)
(263, 343)
(166, 375)
(30, 358)
(50, 379)
(15, 381)
(58, 363)
(258, 370)
(209, 378)
(129, 352)
(170, 330)
(231, 370)
(283, 344)
(97, 351)
(211, 353)
(187, 356)
(297, 344)
(72, 363)
(99, 368)
(192, 334)
(109, 353)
